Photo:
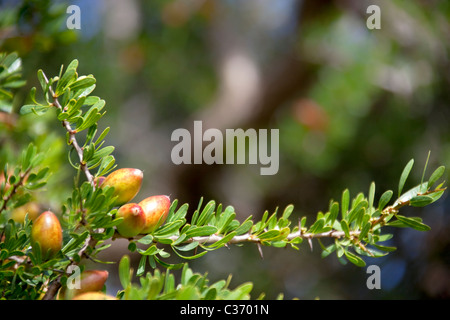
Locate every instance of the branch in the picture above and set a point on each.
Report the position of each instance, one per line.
(72, 139)
(15, 186)
(336, 234)
(55, 285)
(252, 239)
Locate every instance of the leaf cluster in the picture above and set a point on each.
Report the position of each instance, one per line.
(10, 79)
(192, 286)
(78, 111)
(355, 226)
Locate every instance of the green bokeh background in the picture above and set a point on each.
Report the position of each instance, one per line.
(353, 105)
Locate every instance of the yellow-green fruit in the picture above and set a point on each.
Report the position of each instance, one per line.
(133, 220)
(156, 209)
(90, 281)
(46, 231)
(126, 182)
(94, 296)
(30, 208)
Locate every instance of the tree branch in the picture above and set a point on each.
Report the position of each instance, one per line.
(72, 139)
(14, 189)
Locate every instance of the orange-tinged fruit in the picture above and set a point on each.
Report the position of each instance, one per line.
(46, 231)
(126, 182)
(90, 281)
(133, 220)
(156, 209)
(99, 180)
(94, 296)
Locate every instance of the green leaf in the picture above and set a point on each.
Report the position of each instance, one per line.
(384, 199)
(168, 266)
(354, 259)
(187, 247)
(413, 223)
(345, 202)
(169, 229)
(344, 226)
(222, 241)
(106, 165)
(207, 213)
(334, 212)
(102, 136)
(141, 267)
(202, 231)
(147, 239)
(407, 196)
(244, 227)
(436, 195)
(357, 211)
(181, 212)
(268, 235)
(195, 256)
(384, 248)
(73, 64)
(82, 83)
(241, 292)
(287, 211)
(68, 77)
(15, 84)
(435, 176)
(28, 156)
(33, 108)
(152, 250)
(371, 197)
(196, 212)
(41, 78)
(331, 248)
(365, 230)
(317, 226)
(124, 271)
(225, 219)
(4, 94)
(404, 176)
(421, 201)
(91, 117)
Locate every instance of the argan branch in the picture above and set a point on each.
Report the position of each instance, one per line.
(252, 239)
(72, 139)
(15, 186)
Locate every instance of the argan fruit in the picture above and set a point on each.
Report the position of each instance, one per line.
(133, 220)
(126, 182)
(18, 214)
(46, 231)
(90, 281)
(156, 209)
(94, 296)
(99, 180)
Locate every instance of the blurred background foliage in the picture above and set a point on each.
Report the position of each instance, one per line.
(353, 105)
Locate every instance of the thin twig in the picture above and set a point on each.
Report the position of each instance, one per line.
(72, 139)
(15, 186)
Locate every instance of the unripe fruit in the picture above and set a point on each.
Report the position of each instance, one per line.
(90, 281)
(156, 209)
(18, 214)
(94, 296)
(133, 220)
(46, 231)
(126, 182)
